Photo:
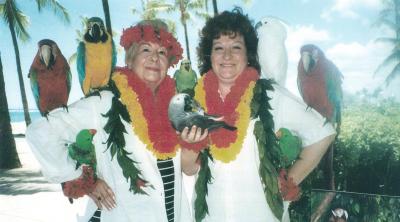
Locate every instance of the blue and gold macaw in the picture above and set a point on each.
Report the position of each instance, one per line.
(96, 57)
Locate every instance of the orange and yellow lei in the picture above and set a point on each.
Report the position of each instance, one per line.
(148, 113)
(225, 145)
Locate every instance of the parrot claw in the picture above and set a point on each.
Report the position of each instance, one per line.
(46, 114)
(93, 93)
(65, 107)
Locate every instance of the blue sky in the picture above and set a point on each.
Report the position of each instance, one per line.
(342, 28)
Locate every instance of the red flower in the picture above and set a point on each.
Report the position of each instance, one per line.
(146, 33)
(82, 185)
(140, 183)
(289, 190)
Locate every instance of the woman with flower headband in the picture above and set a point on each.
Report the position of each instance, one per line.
(239, 176)
(138, 167)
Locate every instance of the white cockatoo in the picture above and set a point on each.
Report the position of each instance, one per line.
(271, 49)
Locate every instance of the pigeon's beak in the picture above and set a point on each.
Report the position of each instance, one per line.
(92, 131)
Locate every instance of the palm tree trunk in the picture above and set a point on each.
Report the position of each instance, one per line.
(183, 21)
(187, 41)
(215, 7)
(397, 17)
(107, 17)
(20, 78)
(8, 151)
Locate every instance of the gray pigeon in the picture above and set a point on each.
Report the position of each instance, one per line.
(184, 111)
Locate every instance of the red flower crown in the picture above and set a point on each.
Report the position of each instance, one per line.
(147, 33)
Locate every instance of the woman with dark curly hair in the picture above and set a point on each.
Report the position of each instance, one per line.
(241, 176)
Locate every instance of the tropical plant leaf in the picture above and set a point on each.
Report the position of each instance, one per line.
(201, 187)
(57, 8)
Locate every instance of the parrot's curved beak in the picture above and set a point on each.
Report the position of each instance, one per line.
(92, 131)
(45, 54)
(95, 31)
(307, 60)
(258, 25)
(278, 134)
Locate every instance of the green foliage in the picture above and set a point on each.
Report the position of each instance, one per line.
(267, 145)
(116, 142)
(366, 160)
(361, 207)
(204, 178)
(389, 17)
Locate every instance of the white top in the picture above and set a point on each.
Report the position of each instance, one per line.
(236, 192)
(47, 138)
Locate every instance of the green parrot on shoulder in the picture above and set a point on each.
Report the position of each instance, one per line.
(83, 150)
(289, 146)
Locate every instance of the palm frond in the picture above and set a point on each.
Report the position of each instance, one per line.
(57, 8)
(198, 4)
(171, 26)
(16, 19)
(203, 15)
(389, 40)
(392, 58)
(395, 72)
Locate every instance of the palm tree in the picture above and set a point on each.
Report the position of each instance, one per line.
(185, 7)
(390, 16)
(107, 17)
(8, 152)
(215, 6)
(150, 10)
(17, 23)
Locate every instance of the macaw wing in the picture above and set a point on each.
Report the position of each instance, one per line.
(34, 85)
(333, 79)
(69, 80)
(114, 56)
(81, 62)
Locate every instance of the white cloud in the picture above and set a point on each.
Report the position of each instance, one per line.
(349, 8)
(358, 63)
(300, 35)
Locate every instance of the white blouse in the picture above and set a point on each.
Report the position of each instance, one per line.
(47, 138)
(236, 192)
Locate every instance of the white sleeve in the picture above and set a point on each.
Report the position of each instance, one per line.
(48, 138)
(290, 112)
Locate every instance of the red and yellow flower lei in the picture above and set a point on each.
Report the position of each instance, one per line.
(225, 145)
(148, 112)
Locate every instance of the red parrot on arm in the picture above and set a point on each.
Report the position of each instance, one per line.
(320, 83)
(50, 77)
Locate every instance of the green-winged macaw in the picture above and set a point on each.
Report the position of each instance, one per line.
(96, 57)
(83, 150)
(289, 146)
(320, 83)
(185, 78)
(50, 77)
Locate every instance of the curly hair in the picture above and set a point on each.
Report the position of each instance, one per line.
(227, 23)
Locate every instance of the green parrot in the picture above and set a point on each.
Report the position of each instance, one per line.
(185, 78)
(82, 150)
(289, 146)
